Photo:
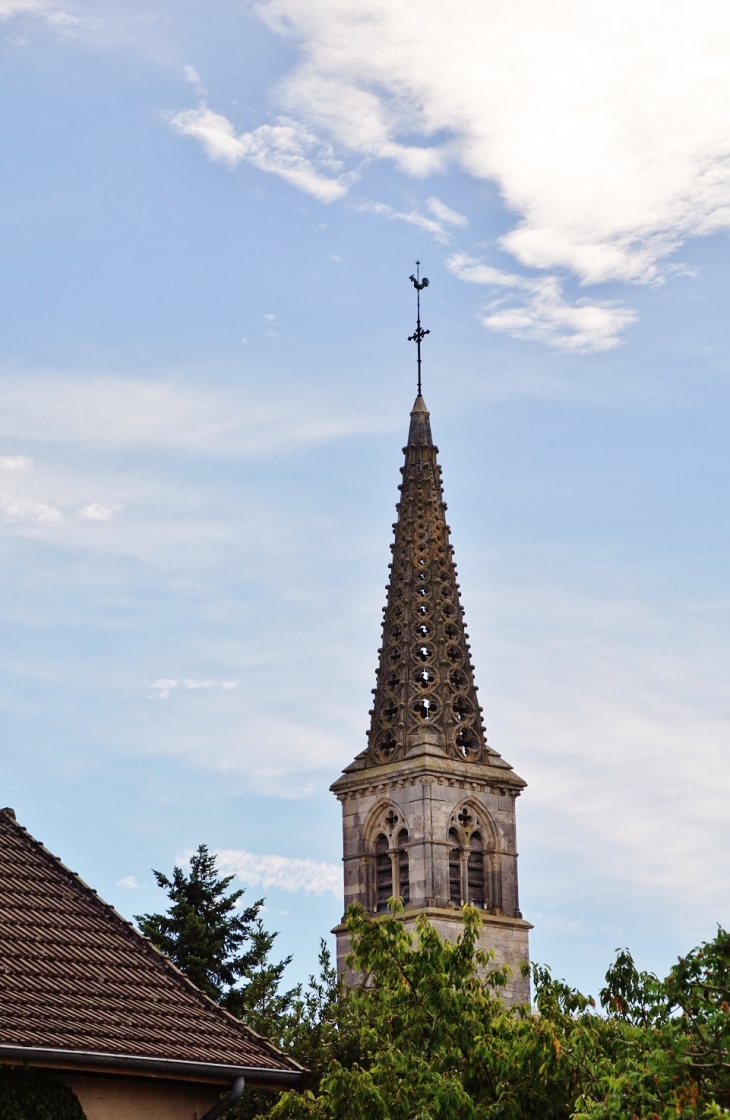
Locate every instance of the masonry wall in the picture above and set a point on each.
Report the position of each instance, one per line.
(122, 1098)
(429, 800)
(429, 806)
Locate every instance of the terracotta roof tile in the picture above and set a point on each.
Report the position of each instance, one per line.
(75, 975)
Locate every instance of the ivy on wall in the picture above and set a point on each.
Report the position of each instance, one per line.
(30, 1094)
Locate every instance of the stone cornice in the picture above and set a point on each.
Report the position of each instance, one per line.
(444, 914)
(425, 769)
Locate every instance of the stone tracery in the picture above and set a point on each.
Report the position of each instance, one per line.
(425, 678)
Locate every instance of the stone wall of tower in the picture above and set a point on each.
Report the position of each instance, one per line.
(430, 798)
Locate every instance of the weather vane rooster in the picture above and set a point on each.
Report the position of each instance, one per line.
(420, 334)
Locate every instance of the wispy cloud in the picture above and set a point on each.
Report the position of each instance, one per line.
(445, 214)
(412, 217)
(545, 316)
(15, 462)
(10, 8)
(192, 76)
(163, 688)
(47, 500)
(128, 883)
(27, 509)
(60, 16)
(227, 686)
(115, 412)
(615, 710)
(283, 872)
(286, 148)
(100, 511)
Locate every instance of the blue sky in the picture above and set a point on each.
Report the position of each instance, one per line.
(209, 215)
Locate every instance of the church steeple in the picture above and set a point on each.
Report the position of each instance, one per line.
(425, 697)
(429, 807)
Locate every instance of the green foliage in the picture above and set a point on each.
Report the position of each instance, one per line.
(435, 1040)
(30, 1094)
(321, 1027)
(223, 949)
(427, 1037)
(674, 1058)
(323, 1024)
(430, 1039)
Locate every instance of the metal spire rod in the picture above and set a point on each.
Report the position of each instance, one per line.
(420, 334)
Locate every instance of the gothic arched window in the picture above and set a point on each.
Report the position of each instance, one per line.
(454, 868)
(404, 876)
(383, 873)
(475, 870)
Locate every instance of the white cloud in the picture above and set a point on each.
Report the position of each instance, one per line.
(128, 882)
(476, 272)
(100, 511)
(15, 462)
(114, 412)
(546, 316)
(10, 8)
(428, 225)
(287, 149)
(162, 688)
(54, 13)
(445, 214)
(27, 509)
(606, 126)
(283, 872)
(227, 686)
(303, 746)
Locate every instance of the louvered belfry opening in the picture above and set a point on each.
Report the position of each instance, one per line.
(383, 873)
(475, 871)
(454, 868)
(404, 874)
(425, 689)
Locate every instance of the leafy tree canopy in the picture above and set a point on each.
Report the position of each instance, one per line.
(429, 1038)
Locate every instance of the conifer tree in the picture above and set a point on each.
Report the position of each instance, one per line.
(223, 948)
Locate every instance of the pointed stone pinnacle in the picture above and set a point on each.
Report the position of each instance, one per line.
(420, 430)
(425, 699)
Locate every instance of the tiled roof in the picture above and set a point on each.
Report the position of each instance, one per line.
(74, 975)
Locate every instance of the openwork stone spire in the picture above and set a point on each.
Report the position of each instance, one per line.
(425, 699)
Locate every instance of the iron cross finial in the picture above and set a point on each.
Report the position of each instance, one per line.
(420, 334)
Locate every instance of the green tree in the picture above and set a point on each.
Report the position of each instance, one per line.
(320, 1028)
(434, 1039)
(429, 1038)
(674, 1057)
(221, 947)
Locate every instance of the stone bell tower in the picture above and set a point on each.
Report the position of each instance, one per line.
(429, 807)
